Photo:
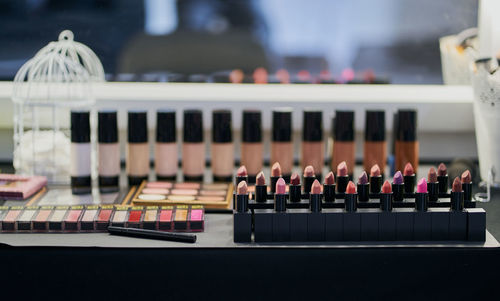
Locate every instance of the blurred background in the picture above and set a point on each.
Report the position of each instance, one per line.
(392, 41)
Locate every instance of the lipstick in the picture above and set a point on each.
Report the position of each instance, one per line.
(409, 178)
(457, 195)
(280, 196)
(329, 187)
(398, 187)
(242, 218)
(315, 197)
(193, 148)
(386, 197)
(241, 175)
(344, 149)
(363, 188)
(432, 185)
(375, 147)
(342, 177)
(252, 148)
(260, 75)
(350, 198)
(422, 197)
(260, 188)
(242, 197)
(442, 177)
(222, 147)
(406, 143)
(309, 178)
(313, 147)
(80, 168)
(467, 186)
(375, 179)
(137, 147)
(295, 188)
(281, 142)
(166, 160)
(275, 175)
(109, 151)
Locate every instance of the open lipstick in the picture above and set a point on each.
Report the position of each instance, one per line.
(281, 142)
(309, 178)
(406, 143)
(252, 148)
(409, 178)
(315, 197)
(398, 187)
(375, 147)
(386, 197)
(344, 148)
(350, 200)
(467, 186)
(375, 179)
(342, 177)
(260, 188)
(275, 175)
(422, 197)
(432, 185)
(295, 188)
(313, 148)
(457, 195)
(442, 177)
(242, 197)
(329, 188)
(280, 196)
(363, 188)
(241, 174)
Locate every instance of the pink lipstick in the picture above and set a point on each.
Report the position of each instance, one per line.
(275, 175)
(409, 178)
(342, 177)
(241, 174)
(280, 196)
(386, 197)
(315, 197)
(422, 197)
(329, 187)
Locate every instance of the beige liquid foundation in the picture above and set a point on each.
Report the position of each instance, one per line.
(108, 151)
(166, 160)
(193, 147)
(222, 148)
(252, 148)
(313, 147)
(137, 147)
(281, 142)
(80, 152)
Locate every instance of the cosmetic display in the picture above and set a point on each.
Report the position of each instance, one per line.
(80, 169)
(166, 158)
(193, 147)
(137, 148)
(108, 150)
(222, 146)
(344, 148)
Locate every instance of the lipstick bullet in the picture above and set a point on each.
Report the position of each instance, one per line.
(375, 179)
(432, 185)
(457, 195)
(350, 201)
(398, 187)
(329, 187)
(309, 178)
(280, 196)
(260, 188)
(467, 186)
(409, 178)
(363, 188)
(295, 188)
(275, 175)
(241, 175)
(315, 197)
(442, 178)
(422, 197)
(386, 197)
(375, 147)
(342, 177)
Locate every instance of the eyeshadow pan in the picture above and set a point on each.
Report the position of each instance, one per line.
(134, 218)
(181, 198)
(150, 219)
(187, 185)
(119, 218)
(56, 220)
(184, 191)
(165, 219)
(196, 219)
(87, 222)
(102, 221)
(210, 199)
(71, 220)
(213, 192)
(180, 219)
(24, 220)
(159, 185)
(155, 191)
(41, 221)
(9, 222)
(151, 197)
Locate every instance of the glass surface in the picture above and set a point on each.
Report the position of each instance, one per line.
(389, 41)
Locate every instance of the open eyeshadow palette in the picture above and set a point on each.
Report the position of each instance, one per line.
(211, 196)
(97, 218)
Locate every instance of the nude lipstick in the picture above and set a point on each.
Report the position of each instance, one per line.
(375, 147)
(442, 177)
(363, 188)
(409, 178)
(281, 143)
(315, 197)
(421, 197)
(242, 197)
(294, 189)
(350, 201)
(166, 161)
(309, 178)
(386, 197)
(275, 175)
(406, 143)
(137, 148)
(467, 186)
(80, 152)
(260, 188)
(242, 217)
(398, 187)
(344, 149)
(280, 196)
(342, 177)
(222, 148)
(329, 187)
(241, 174)
(432, 185)
(375, 179)
(313, 147)
(457, 195)
(109, 151)
(193, 147)
(252, 148)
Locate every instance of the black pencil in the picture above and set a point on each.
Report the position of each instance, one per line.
(152, 234)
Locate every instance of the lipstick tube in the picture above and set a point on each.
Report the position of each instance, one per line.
(342, 182)
(433, 190)
(109, 151)
(273, 183)
(281, 142)
(443, 183)
(80, 168)
(329, 192)
(457, 201)
(137, 147)
(467, 188)
(409, 183)
(363, 192)
(375, 184)
(308, 181)
(421, 201)
(375, 147)
(313, 147)
(241, 179)
(350, 202)
(166, 161)
(294, 192)
(193, 147)
(344, 148)
(315, 202)
(261, 193)
(222, 148)
(242, 203)
(279, 202)
(397, 192)
(252, 148)
(386, 201)
(406, 143)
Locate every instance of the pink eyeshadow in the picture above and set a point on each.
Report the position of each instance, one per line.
(155, 191)
(159, 185)
(196, 215)
(184, 191)
(210, 198)
(187, 185)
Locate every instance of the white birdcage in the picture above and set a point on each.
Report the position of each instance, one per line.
(47, 87)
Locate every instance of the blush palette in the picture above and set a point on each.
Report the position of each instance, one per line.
(211, 196)
(95, 218)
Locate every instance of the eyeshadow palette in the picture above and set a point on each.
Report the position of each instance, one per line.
(97, 218)
(18, 187)
(211, 196)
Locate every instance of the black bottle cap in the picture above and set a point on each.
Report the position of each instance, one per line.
(407, 125)
(221, 126)
(343, 126)
(282, 125)
(80, 126)
(252, 126)
(312, 128)
(193, 126)
(137, 126)
(107, 127)
(375, 126)
(165, 126)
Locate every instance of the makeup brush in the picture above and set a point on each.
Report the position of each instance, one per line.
(329, 187)
(363, 188)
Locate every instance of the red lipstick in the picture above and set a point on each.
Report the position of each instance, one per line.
(386, 197)
(344, 148)
(260, 188)
(280, 196)
(315, 197)
(375, 179)
(350, 200)
(342, 177)
(294, 189)
(329, 187)
(409, 178)
(457, 195)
